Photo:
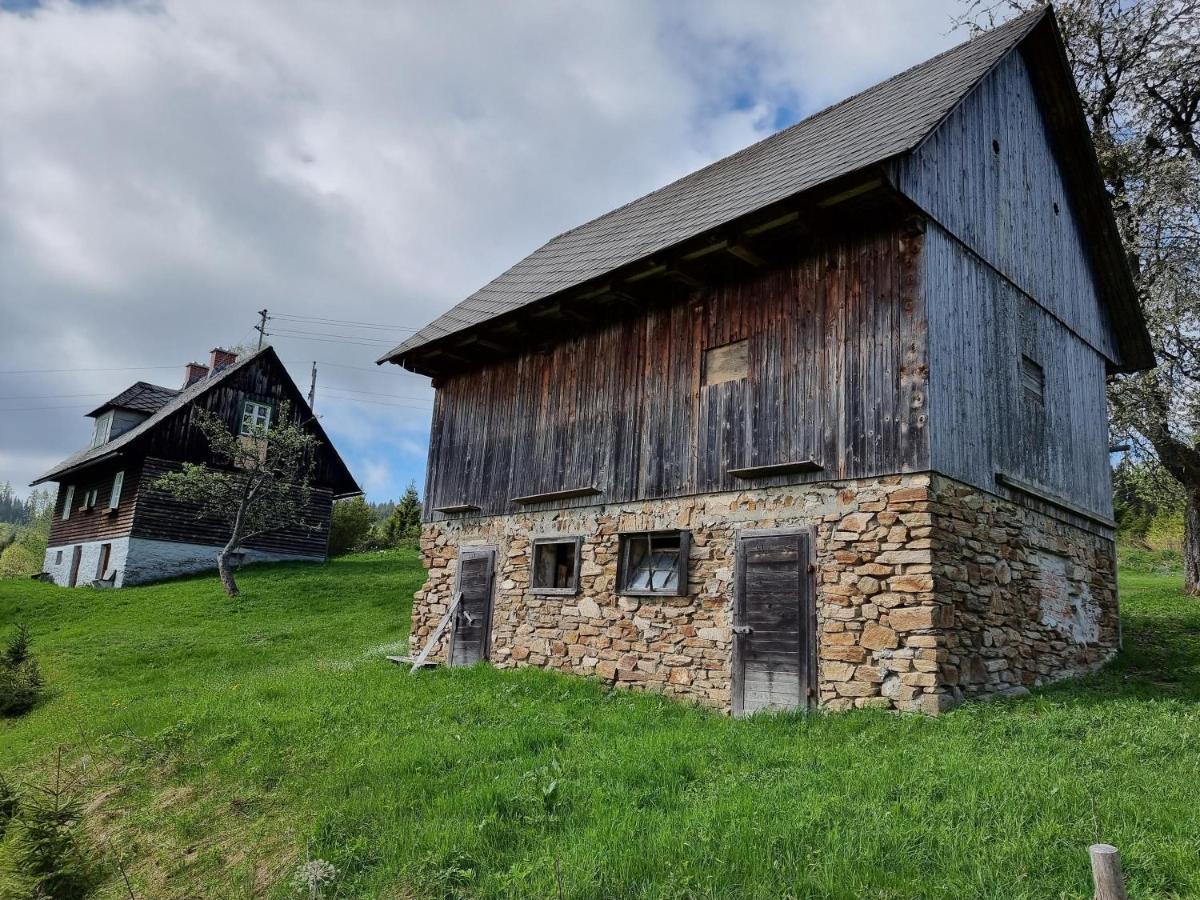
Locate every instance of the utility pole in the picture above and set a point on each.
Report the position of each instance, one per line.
(261, 327)
(312, 388)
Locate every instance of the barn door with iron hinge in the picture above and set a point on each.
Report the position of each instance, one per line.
(774, 622)
(472, 625)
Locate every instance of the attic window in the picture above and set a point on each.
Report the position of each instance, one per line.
(555, 565)
(1033, 380)
(102, 429)
(729, 362)
(654, 562)
(256, 418)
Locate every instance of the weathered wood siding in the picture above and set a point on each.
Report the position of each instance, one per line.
(160, 516)
(178, 437)
(1010, 205)
(99, 522)
(837, 373)
(981, 419)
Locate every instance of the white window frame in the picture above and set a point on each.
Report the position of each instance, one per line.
(259, 415)
(114, 498)
(90, 497)
(103, 429)
(68, 500)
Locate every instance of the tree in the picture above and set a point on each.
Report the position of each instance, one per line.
(349, 525)
(1138, 73)
(262, 482)
(405, 520)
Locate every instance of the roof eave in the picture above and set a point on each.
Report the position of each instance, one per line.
(57, 474)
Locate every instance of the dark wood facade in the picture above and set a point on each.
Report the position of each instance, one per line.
(166, 444)
(836, 375)
(897, 336)
(100, 521)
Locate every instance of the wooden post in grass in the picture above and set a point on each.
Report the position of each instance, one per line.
(1106, 872)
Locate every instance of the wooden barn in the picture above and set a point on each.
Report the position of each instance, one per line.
(112, 527)
(821, 424)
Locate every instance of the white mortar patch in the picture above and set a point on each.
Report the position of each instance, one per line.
(1066, 602)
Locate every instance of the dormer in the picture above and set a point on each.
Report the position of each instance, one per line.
(133, 405)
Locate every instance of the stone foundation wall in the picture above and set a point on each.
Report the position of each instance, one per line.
(1034, 597)
(909, 601)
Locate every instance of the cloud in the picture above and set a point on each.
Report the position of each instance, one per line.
(168, 168)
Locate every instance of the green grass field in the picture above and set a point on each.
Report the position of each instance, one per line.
(225, 739)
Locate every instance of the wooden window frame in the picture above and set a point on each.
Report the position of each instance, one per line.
(577, 541)
(251, 407)
(681, 562)
(107, 419)
(68, 499)
(114, 496)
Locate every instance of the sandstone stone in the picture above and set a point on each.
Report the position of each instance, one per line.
(835, 671)
(911, 584)
(879, 637)
(910, 618)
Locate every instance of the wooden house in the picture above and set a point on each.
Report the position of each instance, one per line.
(112, 527)
(823, 423)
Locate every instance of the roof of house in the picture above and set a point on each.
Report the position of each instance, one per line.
(173, 405)
(870, 128)
(140, 397)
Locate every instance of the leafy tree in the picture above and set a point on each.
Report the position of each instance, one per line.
(1138, 73)
(262, 483)
(16, 561)
(349, 526)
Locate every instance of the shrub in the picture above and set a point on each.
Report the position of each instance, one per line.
(9, 804)
(20, 679)
(17, 561)
(52, 852)
(349, 526)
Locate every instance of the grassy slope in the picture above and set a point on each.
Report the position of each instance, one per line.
(225, 737)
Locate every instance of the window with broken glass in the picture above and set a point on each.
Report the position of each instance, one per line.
(555, 565)
(654, 562)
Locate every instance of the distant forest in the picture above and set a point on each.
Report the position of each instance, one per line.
(15, 510)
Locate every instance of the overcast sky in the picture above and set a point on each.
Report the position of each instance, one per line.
(169, 168)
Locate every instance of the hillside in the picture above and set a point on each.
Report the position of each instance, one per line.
(225, 739)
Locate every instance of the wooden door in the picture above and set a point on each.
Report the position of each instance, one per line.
(102, 563)
(472, 624)
(76, 553)
(774, 622)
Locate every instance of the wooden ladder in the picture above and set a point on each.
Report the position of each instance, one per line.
(433, 639)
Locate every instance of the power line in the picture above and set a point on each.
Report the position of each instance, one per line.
(356, 342)
(327, 321)
(377, 394)
(426, 409)
(52, 371)
(56, 396)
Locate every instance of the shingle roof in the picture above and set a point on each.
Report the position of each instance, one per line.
(174, 404)
(140, 397)
(881, 122)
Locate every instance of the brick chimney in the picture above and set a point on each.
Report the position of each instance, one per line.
(193, 372)
(220, 358)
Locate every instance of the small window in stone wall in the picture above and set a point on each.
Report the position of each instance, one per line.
(555, 565)
(654, 562)
(58, 558)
